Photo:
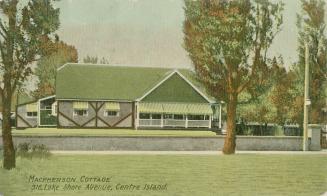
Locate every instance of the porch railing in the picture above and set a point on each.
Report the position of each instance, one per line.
(150, 122)
(198, 123)
(173, 123)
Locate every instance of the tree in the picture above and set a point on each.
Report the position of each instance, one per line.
(95, 60)
(227, 42)
(276, 104)
(281, 96)
(104, 61)
(262, 109)
(311, 25)
(47, 67)
(90, 59)
(25, 34)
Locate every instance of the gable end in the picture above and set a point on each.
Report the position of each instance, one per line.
(175, 89)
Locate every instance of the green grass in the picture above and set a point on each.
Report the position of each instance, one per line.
(184, 174)
(110, 132)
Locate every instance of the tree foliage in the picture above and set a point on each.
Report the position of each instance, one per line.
(47, 67)
(281, 96)
(228, 42)
(26, 32)
(274, 105)
(311, 25)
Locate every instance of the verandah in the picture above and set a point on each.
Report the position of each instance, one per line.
(187, 115)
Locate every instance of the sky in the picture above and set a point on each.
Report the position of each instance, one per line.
(147, 32)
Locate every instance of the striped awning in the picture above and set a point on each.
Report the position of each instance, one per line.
(80, 105)
(200, 109)
(176, 108)
(113, 106)
(151, 108)
(32, 107)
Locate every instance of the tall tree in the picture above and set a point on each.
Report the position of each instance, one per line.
(227, 41)
(281, 96)
(311, 24)
(47, 67)
(25, 34)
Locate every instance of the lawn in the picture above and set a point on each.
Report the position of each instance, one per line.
(110, 132)
(184, 174)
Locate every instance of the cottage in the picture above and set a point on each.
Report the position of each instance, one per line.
(102, 96)
(37, 113)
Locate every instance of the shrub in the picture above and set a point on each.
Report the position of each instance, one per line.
(27, 150)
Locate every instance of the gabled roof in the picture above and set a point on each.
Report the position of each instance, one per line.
(105, 82)
(175, 88)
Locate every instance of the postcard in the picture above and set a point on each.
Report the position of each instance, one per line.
(163, 97)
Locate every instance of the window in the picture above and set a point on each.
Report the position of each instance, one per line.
(198, 117)
(144, 116)
(113, 106)
(168, 116)
(111, 113)
(156, 116)
(178, 116)
(31, 110)
(80, 112)
(174, 116)
(31, 114)
(47, 107)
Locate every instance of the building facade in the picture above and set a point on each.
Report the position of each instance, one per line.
(99, 96)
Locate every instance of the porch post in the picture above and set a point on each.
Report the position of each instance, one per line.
(137, 121)
(210, 118)
(220, 116)
(161, 121)
(39, 113)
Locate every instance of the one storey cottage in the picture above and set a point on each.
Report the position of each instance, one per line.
(103, 96)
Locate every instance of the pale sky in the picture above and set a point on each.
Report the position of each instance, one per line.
(146, 32)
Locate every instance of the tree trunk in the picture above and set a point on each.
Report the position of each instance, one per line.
(230, 139)
(9, 159)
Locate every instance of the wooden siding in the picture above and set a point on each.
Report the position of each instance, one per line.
(96, 116)
(22, 121)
